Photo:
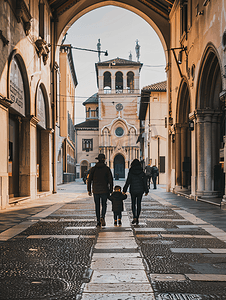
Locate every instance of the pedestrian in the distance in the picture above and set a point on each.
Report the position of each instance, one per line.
(148, 172)
(117, 198)
(154, 175)
(137, 183)
(101, 180)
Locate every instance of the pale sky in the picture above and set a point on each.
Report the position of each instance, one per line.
(118, 29)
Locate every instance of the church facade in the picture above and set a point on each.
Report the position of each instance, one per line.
(116, 105)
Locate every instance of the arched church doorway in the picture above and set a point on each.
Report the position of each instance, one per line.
(210, 122)
(119, 166)
(183, 139)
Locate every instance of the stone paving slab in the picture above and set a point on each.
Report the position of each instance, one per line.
(119, 245)
(121, 263)
(113, 235)
(167, 277)
(125, 296)
(165, 235)
(60, 236)
(118, 288)
(114, 240)
(147, 236)
(206, 277)
(149, 229)
(190, 250)
(122, 276)
(219, 251)
(166, 220)
(45, 213)
(15, 230)
(115, 255)
(48, 220)
(80, 227)
(187, 226)
(77, 220)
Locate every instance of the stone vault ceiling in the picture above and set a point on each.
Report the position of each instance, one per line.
(162, 7)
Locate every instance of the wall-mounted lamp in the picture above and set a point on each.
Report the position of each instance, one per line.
(179, 60)
(191, 125)
(173, 138)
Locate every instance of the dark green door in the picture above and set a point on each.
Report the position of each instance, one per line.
(119, 166)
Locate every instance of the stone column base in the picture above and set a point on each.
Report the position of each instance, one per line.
(207, 195)
(178, 188)
(223, 203)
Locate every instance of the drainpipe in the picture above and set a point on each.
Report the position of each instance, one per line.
(53, 88)
(158, 154)
(149, 130)
(76, 153)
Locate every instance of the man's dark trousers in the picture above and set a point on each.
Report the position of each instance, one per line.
(154, 178)
(103, 199)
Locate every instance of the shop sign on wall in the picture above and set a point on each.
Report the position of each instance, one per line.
(17, 88)
(41, 112)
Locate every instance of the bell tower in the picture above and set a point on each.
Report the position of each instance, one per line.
(119, 95)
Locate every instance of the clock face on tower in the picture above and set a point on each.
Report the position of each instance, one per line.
(119, 107)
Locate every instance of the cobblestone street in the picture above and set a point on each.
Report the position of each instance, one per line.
(51, 249)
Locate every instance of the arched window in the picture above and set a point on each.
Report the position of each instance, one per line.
(88, 113)
(107, 79)
(97, 112)
(130, 81)
(119, 82)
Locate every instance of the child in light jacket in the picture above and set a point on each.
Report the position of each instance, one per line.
(117, 198)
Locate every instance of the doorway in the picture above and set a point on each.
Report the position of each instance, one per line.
(119, 166)
(13, 166)
(84, 167)
(39, 165)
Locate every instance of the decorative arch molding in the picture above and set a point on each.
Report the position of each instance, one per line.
(84, 162)
(183, 102)
(109, 126)
(159, 24)
(17, 56)
(210, 78)
(118, 151)
(41, 86)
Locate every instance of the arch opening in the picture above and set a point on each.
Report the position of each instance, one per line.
(183, 139)
(84, 167)
(119, 82)
(210, 121)
(130, 81)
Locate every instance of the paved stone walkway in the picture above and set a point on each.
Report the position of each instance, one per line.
(117, 264)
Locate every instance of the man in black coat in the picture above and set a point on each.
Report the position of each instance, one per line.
(100, 177)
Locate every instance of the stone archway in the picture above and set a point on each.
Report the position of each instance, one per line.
(19, 175)
(183, 139)
(119, 166)
(43, 139)
(209, 126)
(157, 17)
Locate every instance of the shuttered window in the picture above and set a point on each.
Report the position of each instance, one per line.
(162, 164)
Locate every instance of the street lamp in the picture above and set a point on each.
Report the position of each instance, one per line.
(191, 125)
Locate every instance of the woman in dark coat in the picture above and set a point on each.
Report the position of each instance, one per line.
(137, 183)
